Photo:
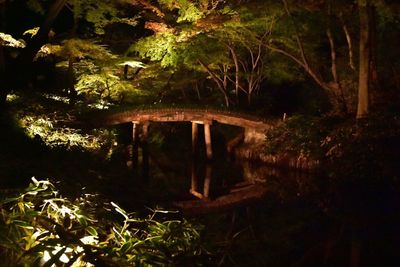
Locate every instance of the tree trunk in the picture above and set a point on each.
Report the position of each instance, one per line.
(3, 76)
(349, 42)
(236, 61)
(220, 83)
(373, 60)
(364, 60)
(41, 37)
(71, 81)
(337, 87)
(3, 84)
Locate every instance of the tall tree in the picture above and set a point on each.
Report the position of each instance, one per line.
(39, 39)
(305, 23)
(3, 94)
(364, 7)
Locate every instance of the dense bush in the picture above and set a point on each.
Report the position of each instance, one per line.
(298, 135)
(346, 147)
(39, 227)
(367, 149)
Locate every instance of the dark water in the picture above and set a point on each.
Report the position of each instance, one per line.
(166, 165)
(255, 214)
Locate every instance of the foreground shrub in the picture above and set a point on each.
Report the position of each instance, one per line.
(301, 135)
(39, 227)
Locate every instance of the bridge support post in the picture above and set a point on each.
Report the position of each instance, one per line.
(207, 137)
(193, 184)
(195, 132)
(145, 150)
(207, 181)
(134, 147)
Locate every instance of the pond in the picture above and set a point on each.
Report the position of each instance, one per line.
(253, 214)
(247, 207)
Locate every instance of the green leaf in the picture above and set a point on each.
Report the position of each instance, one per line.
(126, 247)
(91, 230)
(23, 224)
(133, 64)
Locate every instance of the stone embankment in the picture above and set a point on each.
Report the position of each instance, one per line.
(250, 145)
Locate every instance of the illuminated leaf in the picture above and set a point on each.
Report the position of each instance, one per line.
(91, 230)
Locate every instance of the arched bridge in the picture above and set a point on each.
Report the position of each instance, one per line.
(191, 115)
(254, 127)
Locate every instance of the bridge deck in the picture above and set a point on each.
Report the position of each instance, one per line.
(181, 114)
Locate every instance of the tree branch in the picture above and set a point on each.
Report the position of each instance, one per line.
(218, 81)
(149, 6)
(300, 63)
(332, 46)
(349, 42)
(41, 37)
(298, 40)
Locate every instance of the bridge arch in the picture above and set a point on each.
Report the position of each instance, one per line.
(254, 127)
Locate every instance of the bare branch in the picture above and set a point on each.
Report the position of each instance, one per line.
(310, 72)
(298, 40)
(349, 42)
(149, 6)
(220, 82)
(333, 56)
(332, 46)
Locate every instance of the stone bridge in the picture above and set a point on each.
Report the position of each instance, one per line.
(254, 127)
(254, 132)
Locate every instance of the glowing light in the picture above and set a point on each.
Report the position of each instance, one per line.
(89, 240)
(58, 98)
(12, 98)
(63, 258)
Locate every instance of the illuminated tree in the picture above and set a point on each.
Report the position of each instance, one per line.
(306, 21)
(223, 43)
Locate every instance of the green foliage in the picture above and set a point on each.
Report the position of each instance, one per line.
(36, 6)
(102, 86)
(100, 14)
(188, 11)
(132, 64)
(8, 40)
(366, 150)
(299, 134)
(350, 152)
(32, 32)
(162, 47)
(98, 72)
(53, 124)
(79, 49)
(40, 227)
(54, 133)
(181, 49)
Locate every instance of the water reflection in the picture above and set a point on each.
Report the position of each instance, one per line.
(250, 183)
(194, 188)
(197, 184)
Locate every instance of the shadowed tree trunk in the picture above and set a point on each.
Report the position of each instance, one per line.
(3, 92)
(300, 58)
(221, 82)
(364, 60)
(23, 63)
(373, 59)
(41, 37)
(336, 84)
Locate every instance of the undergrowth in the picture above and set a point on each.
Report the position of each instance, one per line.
(40, 227)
